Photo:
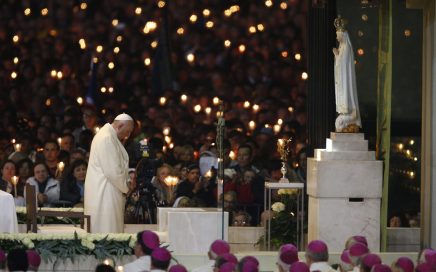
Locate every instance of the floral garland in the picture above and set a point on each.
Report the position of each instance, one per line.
(54, 247)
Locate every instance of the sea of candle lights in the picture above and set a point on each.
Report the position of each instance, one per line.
(108, 51)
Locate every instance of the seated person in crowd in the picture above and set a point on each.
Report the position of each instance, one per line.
(245, 162)
(160, 259)
(146, 242)
(104, 268)
(72, 185)
(33, 259)
(241, 219)
(182, 202)
(7, 172)
(193, 187)
(2, 260)
(17, 260)
(51, 156)
(24, 172)
(47, 189)
(244, 188)
(216, 249)
(162, 191)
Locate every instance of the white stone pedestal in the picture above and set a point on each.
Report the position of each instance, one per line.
(344, 184)
(192, 230)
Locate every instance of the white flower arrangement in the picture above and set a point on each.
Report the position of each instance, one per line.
(87, 239)
(278, 207)
(287, 191)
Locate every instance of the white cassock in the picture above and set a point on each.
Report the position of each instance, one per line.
(206, 267)
(143, 263)
(106, 182)
(321, 267)
(347, 104)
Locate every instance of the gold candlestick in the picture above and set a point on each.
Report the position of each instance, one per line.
(283, 148)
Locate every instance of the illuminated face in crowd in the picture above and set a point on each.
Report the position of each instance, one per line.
(40, 172)
(80, 172)
(8, 171)
(162, 173)
(24, 171)
(244, 157)
(67, 143)
(193, 175)
(51, 152)
(248, 176)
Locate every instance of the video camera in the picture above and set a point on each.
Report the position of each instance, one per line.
(145, 171)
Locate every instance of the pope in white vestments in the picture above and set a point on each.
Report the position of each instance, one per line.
(107, 175)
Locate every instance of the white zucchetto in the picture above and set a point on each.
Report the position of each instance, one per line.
(123, 117)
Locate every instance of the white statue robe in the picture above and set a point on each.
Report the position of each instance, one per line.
(106, 182)
(347, 103)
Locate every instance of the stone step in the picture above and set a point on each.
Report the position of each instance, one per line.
(334, 145)
(347, 137)
(324, 155)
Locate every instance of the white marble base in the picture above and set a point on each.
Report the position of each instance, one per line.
(337, 177)
(333, 145)
(344, 178)
(333, 220)
(193, 232)
(324, 155)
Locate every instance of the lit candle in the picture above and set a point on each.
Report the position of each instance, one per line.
(277, 128)
(171, 181)
(255, 108)
(197, 108)
(183, 98)
(162, 101)
(15, 182)
(120, 268)
(61, 166)
(17, 147)
(60, 141)
(168, 139)
(166, 131)
(216, 100)
(246, 104)
(208, 174)
(252, 125)
(208, 110)
(232, 155)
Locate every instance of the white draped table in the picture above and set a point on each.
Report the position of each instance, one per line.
(8, 218)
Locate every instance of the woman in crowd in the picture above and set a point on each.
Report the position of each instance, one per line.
(47, 189)
(163, 193)
(24, 171)
(71, 187)
(8, 171)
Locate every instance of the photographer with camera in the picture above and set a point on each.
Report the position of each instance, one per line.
(194, 186)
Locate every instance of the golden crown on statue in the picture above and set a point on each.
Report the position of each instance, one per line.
(340, 23)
